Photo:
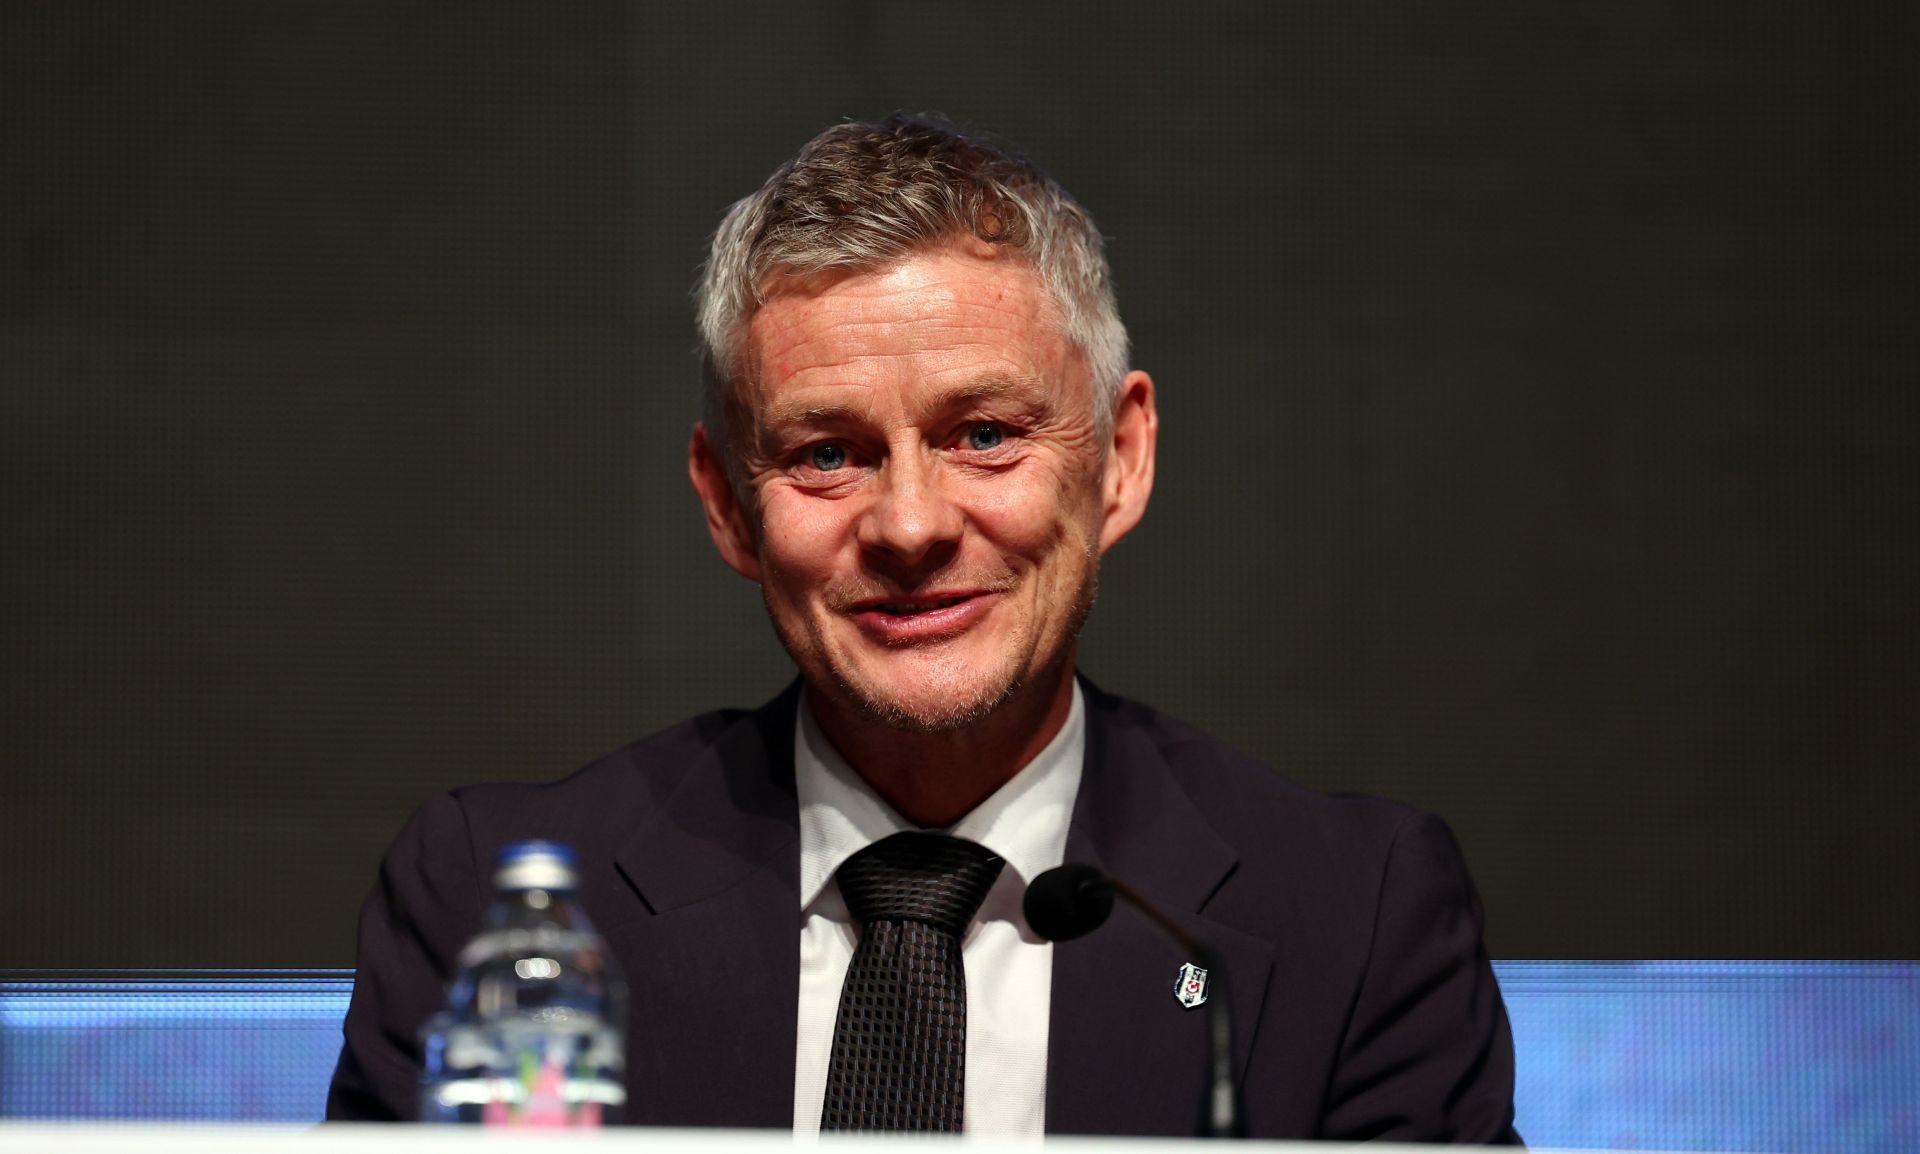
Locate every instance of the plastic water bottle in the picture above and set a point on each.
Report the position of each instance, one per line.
(533, 1034)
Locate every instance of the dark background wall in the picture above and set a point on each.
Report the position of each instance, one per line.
(1539, 429)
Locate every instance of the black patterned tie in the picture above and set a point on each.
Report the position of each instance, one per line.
(900, 1042)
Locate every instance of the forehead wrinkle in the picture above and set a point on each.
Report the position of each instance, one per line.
(988, 387)
(869, 299)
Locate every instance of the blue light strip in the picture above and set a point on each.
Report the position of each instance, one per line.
(168, 1044)
(225, 995)
(1735, 1056)
(1742, 1056)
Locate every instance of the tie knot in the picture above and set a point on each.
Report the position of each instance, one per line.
(919, 877)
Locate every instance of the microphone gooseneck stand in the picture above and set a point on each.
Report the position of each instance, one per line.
(1073, 900)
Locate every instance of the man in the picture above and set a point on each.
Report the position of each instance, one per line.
(921, 434)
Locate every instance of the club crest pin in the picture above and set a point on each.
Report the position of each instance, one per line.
(1190, 988)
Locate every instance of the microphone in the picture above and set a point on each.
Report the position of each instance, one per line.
(1075, 899)
(1068, 902)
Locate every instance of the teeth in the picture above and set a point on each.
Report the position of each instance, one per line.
(901, 609)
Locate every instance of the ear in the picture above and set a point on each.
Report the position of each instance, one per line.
(726, 520)
(1128, 479)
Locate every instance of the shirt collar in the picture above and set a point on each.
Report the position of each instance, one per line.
(1024, 821)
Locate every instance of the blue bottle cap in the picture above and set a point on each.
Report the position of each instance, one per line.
(536, 847)
(543, 865)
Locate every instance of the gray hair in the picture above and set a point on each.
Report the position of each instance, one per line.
(861, 195)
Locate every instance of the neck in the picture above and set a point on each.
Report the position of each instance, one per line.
(935, 779)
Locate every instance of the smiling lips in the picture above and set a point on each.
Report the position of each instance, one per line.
(904, 620)
(922, 605)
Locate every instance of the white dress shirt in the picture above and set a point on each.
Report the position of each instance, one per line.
(1009, 970)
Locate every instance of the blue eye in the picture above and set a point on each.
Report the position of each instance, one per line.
(984, 437)
(828, 457)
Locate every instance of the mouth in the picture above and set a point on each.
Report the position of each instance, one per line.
(931, 617)
(912, 606)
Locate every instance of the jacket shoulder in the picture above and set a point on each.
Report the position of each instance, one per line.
(593, 808)
(1249, 801)
(1303, 856)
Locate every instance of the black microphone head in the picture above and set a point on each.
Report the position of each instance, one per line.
(1067, 901)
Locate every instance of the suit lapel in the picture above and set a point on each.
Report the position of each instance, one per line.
(713, 972)
(1123, 1056)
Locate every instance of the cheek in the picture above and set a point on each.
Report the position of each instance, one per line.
(801, 538)
(1036, 514)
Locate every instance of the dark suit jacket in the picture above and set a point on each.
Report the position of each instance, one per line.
(1363, 1004)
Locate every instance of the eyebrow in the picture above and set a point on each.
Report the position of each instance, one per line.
(995, 388)
(780, 416)
(792, 414)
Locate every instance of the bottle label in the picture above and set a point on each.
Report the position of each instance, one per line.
(529, 1078)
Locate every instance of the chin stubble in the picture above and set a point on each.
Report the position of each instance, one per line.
(959, 715)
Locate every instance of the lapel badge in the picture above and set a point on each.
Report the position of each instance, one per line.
(1190, 988)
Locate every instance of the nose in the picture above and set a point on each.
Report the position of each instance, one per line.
(913, 521)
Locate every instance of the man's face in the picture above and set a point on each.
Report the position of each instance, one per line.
(927, 494)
